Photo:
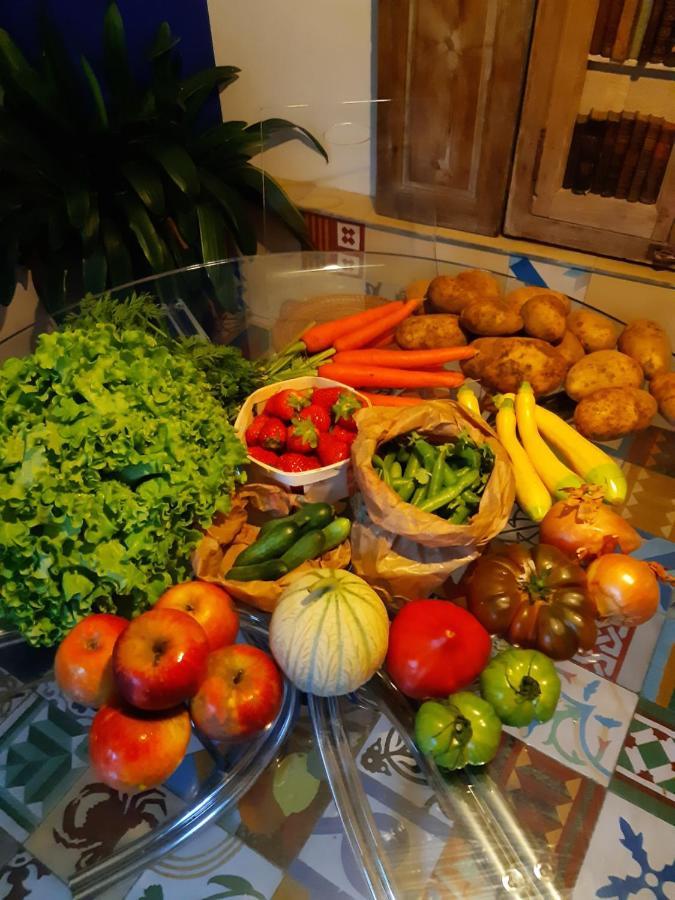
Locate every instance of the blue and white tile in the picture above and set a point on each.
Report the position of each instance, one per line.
(631, 854)
(588, 728)
(209, 865)
(24, 876)
(570, 281)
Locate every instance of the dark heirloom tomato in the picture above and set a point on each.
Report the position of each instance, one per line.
(534, 597)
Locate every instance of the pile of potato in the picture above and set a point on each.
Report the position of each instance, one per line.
(532, 334)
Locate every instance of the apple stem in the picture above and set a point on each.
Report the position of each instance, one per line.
(237, 678)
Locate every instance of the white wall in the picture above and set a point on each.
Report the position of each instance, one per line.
(311, 55)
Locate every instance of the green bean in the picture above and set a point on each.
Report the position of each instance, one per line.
(412, 466)
(437, 474)
(386, 466)
(420, 495)
(449, 475)
(378, 462)
(470, 496)
(395, 470)
(461, 514)
(404, 487)
(426, 453)
(431, 504)
(403, 455)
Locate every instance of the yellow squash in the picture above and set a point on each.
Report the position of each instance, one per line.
(467, 399)
(554, 473)
(531, 493)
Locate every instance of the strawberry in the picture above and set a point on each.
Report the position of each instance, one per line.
(254, 429)
(264, 456)
(332, 450)
(343, 411)
(327, 397)
(302, 436)
(296, 462)
(317, 415)
(273, 435)
(341, 434)
(287, 404)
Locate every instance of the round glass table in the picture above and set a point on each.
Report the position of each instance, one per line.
(334, 800)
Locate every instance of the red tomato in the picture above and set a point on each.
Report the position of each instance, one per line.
(435, 648)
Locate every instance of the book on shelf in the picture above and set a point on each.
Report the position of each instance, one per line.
(575, 147)
(632, 155)
(658, 165)
(645, 158)
(611, 27)
(662, 45)
(589, 151)
(624, 31)
(619, 150)
(601, 170)
(651, 30)
(599, 27)
(640, 28)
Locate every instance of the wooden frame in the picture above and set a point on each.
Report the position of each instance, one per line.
(449, 85)
(538, 207)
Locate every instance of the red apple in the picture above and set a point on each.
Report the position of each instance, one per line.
(240, 695)
(83, 663)
(160, 659)
(132, 751)
(210, 605)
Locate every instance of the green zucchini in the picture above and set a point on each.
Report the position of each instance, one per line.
(264, 571)
(309, 546)
(271, 546)
(335, 533)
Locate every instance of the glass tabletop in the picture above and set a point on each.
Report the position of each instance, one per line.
(338, 802)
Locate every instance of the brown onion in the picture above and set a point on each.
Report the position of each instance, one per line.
(624, 589)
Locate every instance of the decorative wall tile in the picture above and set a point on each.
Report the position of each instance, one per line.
(587, 730)
(328, 233)
(24, 876)
(631, 854)
(570, 281)
(659, 685)
(645, 769)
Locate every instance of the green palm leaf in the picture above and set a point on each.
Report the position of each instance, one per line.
(147, 184)
(152, 246)
(164, 41)
(178, 165)
(117, 254)
(25, 79)
(207, 80)
(90, 227)
(100, 110)
(8, 263)
(77, 203)
(213, 235)
(275, 200)
(273, 132)
(58, 67)
(116, 60)
(95, 271)
(234, 211)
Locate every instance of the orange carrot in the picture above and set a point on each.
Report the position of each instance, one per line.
(382, 377)
(385, 341)
(321, 336)
(392, 399)
(403, 359)
(353, 340)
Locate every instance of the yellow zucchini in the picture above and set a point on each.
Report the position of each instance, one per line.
(531, 492)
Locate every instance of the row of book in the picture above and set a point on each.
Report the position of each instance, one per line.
(622, 155)
(635, 29)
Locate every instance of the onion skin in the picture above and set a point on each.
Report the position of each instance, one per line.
(625, 590)
(585, 528)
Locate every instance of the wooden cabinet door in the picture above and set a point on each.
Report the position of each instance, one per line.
(539, 207)
(449, 84)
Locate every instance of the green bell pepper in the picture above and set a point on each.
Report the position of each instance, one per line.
(462, 730)
(522, 685)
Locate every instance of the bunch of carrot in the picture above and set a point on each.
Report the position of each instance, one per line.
(361, 362)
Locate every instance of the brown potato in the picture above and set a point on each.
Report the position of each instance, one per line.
(502, 363)
(648, 344)
(595, 332)
(602, 369)
(519, 297)
(570, 348)
(662, 388)
(450, 295)
(428, 332)
(612, 412)
(490, 317)
(544, 317)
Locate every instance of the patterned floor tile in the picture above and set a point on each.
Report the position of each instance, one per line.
(551, 802)
(587, 730)
(9, 847)
(24, 877)
(622, 654)
(210, 865)
(650, 500)
(631, 854)
(645, 769)
(92, 820)
(659, 685)
(43, 750)
(188, 779)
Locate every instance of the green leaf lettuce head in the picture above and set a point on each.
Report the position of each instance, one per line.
(114, 453)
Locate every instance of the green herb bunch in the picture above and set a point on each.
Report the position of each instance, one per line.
(114, 453)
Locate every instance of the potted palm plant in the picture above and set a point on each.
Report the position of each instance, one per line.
(106, 181)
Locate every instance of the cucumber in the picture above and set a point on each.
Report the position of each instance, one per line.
(270, 546)
(335, 533)
(309, 546)
(264, 571)
(313, 515)
(272, 524)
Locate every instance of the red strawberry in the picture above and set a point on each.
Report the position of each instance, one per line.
(332, 450)
(327, 397)
(341, 434)
(302, 436)
(317, 415)
(296, 462)
(343, 411)
(286, 404)
(264, 456)
(254, 429)
(273, 435)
